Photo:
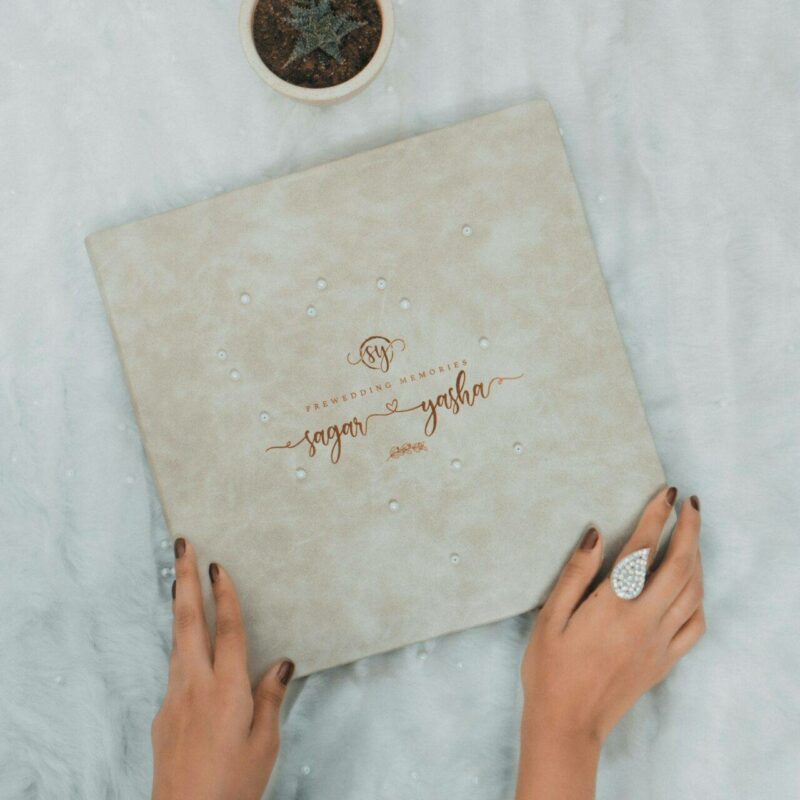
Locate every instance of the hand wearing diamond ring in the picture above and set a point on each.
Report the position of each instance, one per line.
(594, 652)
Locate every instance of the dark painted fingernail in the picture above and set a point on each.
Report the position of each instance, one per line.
(213, 572)
(180, 547)
(173, 589)
(695, 501)
(589, 539)
(672, 493)
(285, 671)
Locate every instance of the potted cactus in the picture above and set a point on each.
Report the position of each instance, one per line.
(317, 51)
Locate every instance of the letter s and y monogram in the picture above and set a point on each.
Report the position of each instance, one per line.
(377, 352)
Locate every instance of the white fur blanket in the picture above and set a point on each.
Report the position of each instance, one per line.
(682, 122)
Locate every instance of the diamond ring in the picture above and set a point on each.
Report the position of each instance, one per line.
(628, 577)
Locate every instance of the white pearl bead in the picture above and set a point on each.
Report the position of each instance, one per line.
(300, 473)
(322, 284)
(405, 303)
(306, 770)
(381, 283)
(244, 298)
(235, 374)
(483, 342)
(455, 558)
(311, 311)
(264, 416)
(467, 230)
(222, 355)
(518, 448)
(456, 464)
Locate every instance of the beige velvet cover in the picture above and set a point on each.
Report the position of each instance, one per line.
(407, 535)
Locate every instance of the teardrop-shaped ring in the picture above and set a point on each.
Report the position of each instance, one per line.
(628, 577)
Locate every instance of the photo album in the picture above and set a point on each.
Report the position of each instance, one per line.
(389, 393)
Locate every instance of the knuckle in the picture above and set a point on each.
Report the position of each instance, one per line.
(184, 566)
(228, 626)
(574, 570)
(185, 617)
(657, 509)
(681, 564)
(544, 616)
(270, 696)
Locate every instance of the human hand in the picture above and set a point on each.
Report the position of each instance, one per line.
(214, 738)
(591, 657)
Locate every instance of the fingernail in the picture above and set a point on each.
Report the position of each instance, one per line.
(672, 493)
(589, 539)
(213, 572)
(695, 501)
(285, 671)
(173, 589)
(180, 547)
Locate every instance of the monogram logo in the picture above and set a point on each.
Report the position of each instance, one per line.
(377, 352)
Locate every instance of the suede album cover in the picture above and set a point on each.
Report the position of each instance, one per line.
(388, 394)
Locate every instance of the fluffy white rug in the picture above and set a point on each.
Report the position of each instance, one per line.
(681, 120)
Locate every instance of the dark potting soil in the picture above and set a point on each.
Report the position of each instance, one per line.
(276, 40)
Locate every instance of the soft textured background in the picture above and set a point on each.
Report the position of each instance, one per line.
(682, 122)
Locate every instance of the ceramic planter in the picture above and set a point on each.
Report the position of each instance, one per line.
(328, 94)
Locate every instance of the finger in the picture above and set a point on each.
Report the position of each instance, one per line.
(574, 580)
(192, 643)
(687, 637)
(230, 646)
(678, 566)
(651, 524)
(173, 653)
(686, 603)
(268, 698)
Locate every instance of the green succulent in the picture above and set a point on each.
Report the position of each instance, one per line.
(320, 27)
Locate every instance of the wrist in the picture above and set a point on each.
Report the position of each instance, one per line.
(553, 733)
(557, 761)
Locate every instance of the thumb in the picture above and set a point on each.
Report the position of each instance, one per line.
(575, 578)
(267, 700)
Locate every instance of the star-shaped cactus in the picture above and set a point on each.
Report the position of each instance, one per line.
(320, 27)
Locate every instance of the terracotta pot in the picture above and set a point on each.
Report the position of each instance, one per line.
(328, 94)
